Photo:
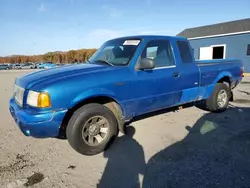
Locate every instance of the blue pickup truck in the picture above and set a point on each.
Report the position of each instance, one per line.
(125, 78)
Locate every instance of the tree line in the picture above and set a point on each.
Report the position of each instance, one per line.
(71, 56)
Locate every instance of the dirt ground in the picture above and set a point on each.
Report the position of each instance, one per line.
(185, 148)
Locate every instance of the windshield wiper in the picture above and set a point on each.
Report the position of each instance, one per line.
(103, 62)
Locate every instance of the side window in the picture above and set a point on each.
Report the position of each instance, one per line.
(248, 49)
(184, 51)
(160, 51)
(151, 52)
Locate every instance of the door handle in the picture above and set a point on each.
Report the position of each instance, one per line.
(176, 74)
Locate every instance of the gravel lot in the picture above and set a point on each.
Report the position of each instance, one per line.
(186, 148)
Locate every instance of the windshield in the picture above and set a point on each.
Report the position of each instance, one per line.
(117, 52)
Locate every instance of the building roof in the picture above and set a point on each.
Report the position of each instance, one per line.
(232, 27)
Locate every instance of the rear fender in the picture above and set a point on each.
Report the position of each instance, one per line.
(206, 91)
(222, 75)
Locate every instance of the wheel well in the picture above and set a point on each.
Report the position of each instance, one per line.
(225, 80)
(112, 104)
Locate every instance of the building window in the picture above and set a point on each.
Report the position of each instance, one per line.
(212, 52)
(218, 52)
(248, 49)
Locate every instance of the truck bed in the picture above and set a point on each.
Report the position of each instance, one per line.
(211, 69)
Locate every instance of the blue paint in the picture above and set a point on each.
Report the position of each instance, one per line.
(236, 47)
(38, 125)
(137, 91)
(212, 73)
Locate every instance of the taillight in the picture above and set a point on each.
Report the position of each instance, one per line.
(242, 72)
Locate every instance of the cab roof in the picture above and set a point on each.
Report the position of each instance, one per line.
(151, 37)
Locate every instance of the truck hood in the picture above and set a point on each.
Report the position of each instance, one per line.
(29, 80)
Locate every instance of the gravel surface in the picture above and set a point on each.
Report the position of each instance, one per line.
(184, 148)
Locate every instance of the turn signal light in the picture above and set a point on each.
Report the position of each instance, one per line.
(43, 100)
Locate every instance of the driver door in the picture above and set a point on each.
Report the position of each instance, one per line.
(157, 88)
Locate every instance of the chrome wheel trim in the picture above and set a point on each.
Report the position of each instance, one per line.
(95, 131)
(222, 98)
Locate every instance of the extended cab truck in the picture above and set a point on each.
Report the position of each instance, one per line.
(125, 78)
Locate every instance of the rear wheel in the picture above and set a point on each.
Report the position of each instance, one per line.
(91, 129)
(218, 101)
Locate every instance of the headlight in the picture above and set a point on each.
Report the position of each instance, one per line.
(37, 99)
(18, 94)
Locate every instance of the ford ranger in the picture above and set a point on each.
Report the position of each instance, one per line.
(126, 77)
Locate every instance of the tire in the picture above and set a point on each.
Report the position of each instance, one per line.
(215, 103)
(80, 129)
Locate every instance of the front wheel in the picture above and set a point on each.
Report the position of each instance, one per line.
(91, 129)
(219, 99)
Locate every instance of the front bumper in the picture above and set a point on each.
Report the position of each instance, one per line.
(38, 125)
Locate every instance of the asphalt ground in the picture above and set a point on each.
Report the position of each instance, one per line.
(184, 148)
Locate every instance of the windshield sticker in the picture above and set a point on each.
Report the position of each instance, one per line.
(131, 42)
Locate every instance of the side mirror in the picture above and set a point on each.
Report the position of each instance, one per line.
(146, 63)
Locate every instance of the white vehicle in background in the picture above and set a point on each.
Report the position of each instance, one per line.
(28, 66)
(16, 66)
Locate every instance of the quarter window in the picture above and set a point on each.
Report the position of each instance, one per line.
(184, 51)
(160, 51)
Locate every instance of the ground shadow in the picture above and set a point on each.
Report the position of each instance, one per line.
(126, 162)
(215, 153)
